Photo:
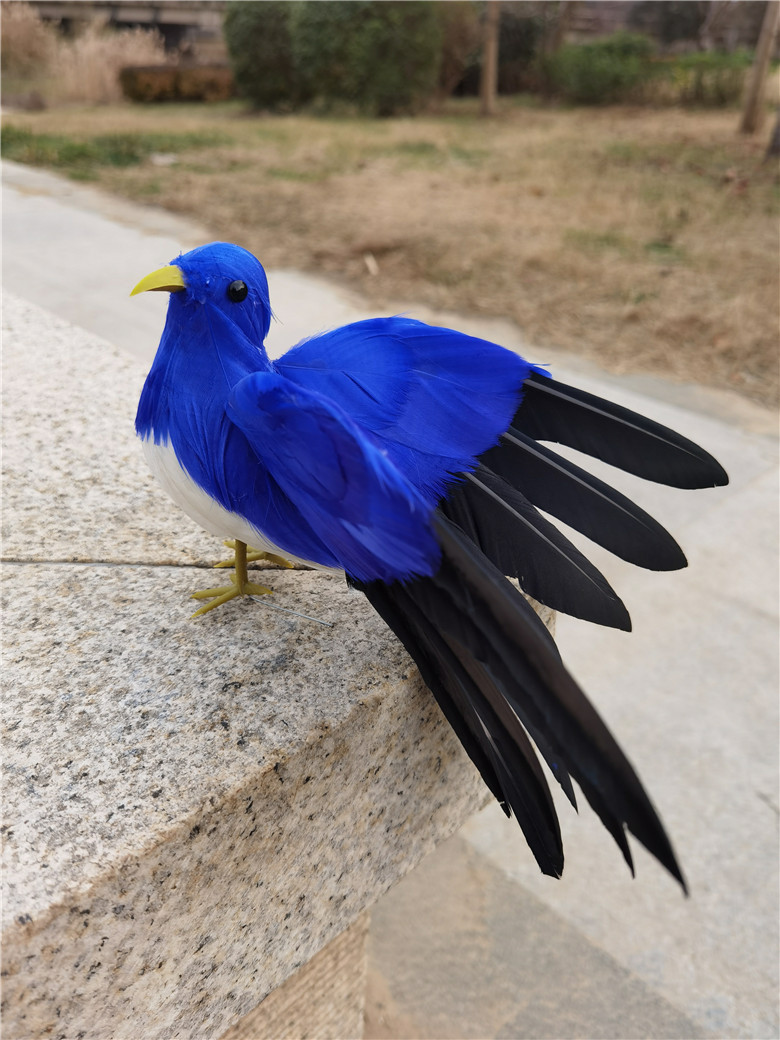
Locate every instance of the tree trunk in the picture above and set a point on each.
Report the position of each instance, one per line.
(488, 85)
(753, 113)
(773, 148)
(563, 19)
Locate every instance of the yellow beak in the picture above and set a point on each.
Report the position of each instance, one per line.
(167, 279)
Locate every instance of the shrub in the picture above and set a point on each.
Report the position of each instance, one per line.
(260, 46)
(709, 78)
(381, 55)
(320, 35)
(519, 40)
(204, 83)
(461, 36)
(668, 20)
(604, 71)
(171, 83)
(148, 82)
(521, 35)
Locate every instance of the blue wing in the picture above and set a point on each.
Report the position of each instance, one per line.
(373, 521)
(434, 397)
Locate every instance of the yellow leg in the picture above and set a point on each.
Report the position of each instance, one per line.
(252, 555)
(240, 585)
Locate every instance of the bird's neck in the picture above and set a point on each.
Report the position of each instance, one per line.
(196, 367)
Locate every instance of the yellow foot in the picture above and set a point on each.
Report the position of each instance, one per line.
(240, 585)
(224, 593)
(252, 555)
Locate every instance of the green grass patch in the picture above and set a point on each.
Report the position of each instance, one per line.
(151, 189)
(418, 149)
(287, 173)
(686, 159)
(410, 153)
(272, 134)
(639, 296)
(470, 156)
(83, 174)
(82, 157)
(664, 250)
(428, 153)
(624, 151)
(597, 241)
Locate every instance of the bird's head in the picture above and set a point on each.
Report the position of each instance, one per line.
(220, 275)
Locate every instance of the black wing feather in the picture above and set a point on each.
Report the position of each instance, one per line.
(524, 545)
(584, 502)
(553, 411)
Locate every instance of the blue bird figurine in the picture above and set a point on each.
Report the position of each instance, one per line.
(408, 456)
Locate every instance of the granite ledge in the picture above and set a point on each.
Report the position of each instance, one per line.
(191, 812)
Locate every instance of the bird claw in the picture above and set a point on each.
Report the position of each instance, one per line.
(224, 593)
(240, 585)
(252, 556)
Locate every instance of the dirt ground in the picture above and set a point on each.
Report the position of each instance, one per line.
(645, 240)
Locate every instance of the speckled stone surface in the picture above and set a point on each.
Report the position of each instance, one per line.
(75, 484)
(191, 808)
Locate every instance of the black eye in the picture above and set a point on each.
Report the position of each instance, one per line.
(237, 291)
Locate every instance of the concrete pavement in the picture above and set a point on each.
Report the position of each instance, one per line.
(475, 943)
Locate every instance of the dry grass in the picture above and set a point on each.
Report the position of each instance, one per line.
(60, 70)
(28, 45)
(644, 240)
(87, 67)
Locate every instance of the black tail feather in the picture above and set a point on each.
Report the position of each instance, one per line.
(384, 599)
(506, 742)
(489, 731)
(475, 605)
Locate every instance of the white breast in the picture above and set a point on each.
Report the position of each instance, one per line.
(201, 507)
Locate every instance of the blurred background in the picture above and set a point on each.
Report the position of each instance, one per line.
(575, 167)
(597, 179)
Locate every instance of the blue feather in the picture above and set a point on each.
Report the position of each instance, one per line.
(368, 514)
(437, 398)
(359, 365)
